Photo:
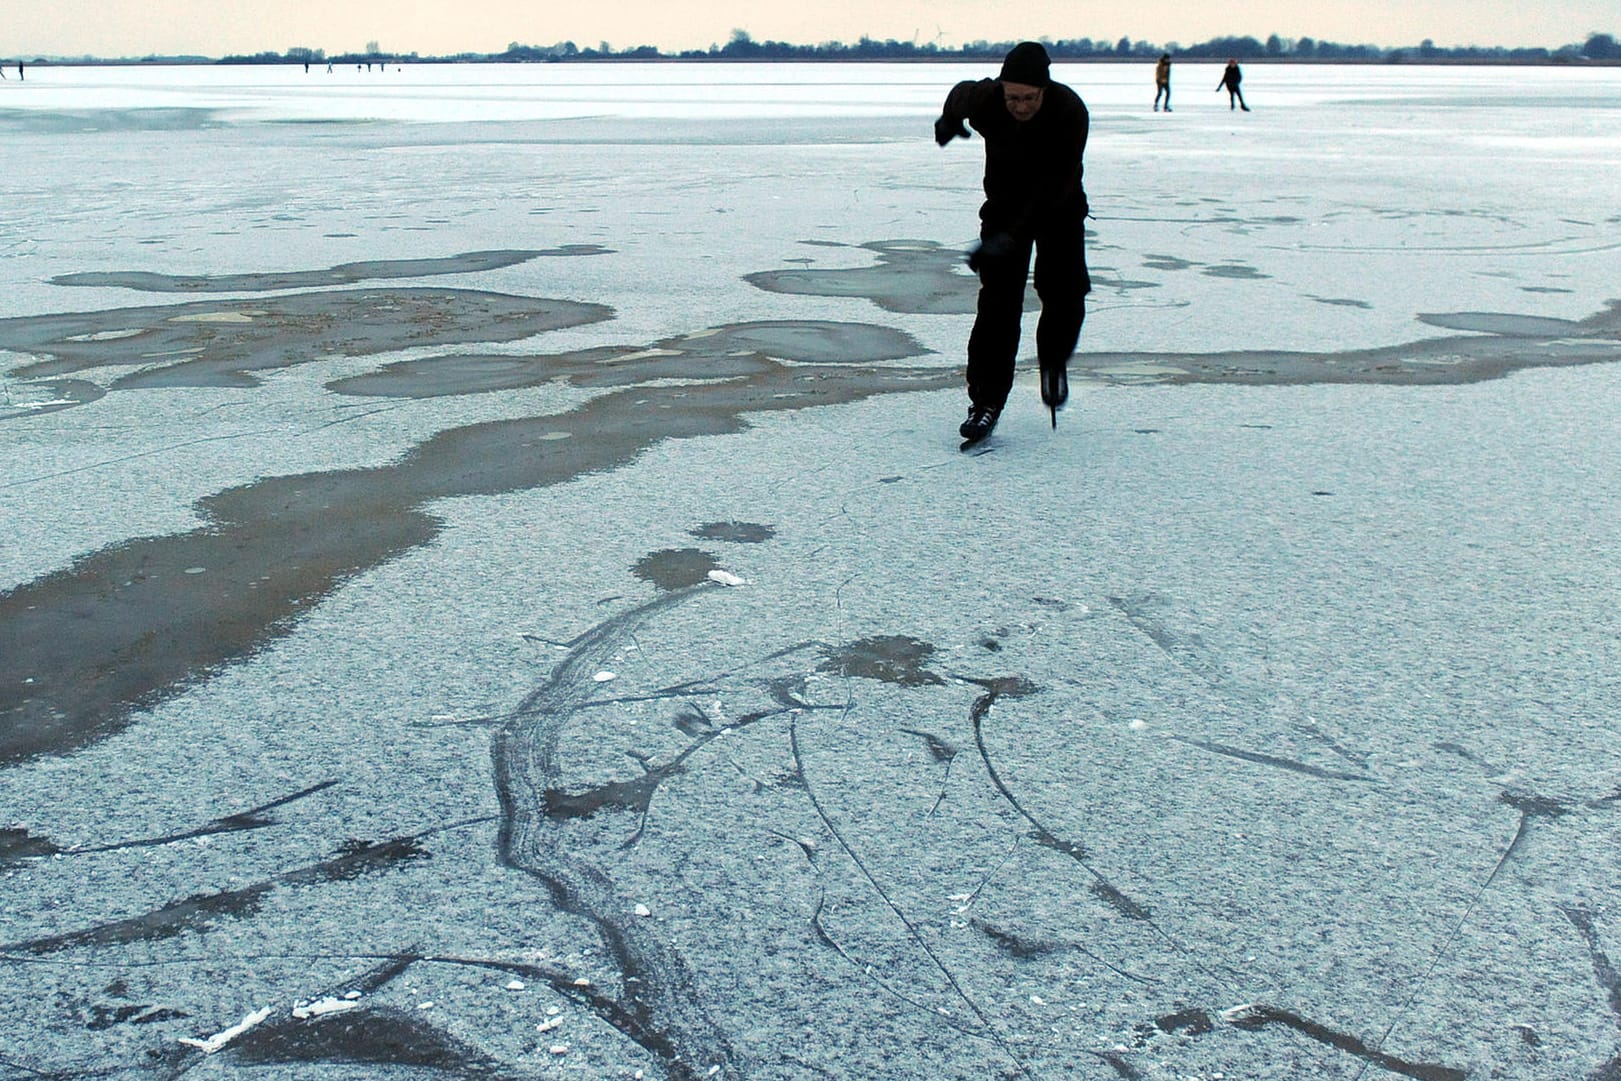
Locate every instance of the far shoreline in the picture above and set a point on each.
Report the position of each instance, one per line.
(435, 61)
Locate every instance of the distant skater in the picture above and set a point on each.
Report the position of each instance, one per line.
(1035, 133)
(1162, 81)
(1230, 79)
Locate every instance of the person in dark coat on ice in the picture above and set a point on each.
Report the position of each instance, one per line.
(1035, 133)
(1230, 78)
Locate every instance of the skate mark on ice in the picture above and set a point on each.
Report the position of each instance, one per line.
(636, 795)
(1604, 970)
(1257, 1016)
(1272, 760)
(1458, 749)
(1016, 947)
(1315, 731)
(1152, 614)
(1101, 887)
(200, 913)
(1609, 980)
(659, 1006)
(916, 936)
(1532, 809)
(17, 844)
(875, 976)
(1022, 949)
(942, 752)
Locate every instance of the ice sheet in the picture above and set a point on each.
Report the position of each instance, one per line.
(1256, 722)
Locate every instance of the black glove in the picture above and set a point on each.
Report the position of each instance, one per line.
(993, 248)
(947, 129)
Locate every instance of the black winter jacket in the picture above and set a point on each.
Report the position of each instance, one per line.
(1032, 168)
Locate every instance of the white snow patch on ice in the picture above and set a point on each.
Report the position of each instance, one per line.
(220, 1039)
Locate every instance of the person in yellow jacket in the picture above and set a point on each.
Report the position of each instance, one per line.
(1162, 81)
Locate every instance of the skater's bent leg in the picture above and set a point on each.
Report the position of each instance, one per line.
(993, 345)
(1059, 329)
(1062, 282)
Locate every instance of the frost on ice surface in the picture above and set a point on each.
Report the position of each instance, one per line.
(709, 784)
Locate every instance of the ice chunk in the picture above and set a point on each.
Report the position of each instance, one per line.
(220, 1039)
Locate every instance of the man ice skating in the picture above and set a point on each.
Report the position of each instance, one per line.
(1035, 133)
(1231, 76)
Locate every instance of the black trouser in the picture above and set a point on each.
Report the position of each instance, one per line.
(1165, 92)
(1062, 283)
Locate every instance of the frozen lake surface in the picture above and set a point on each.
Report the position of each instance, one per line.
(489, 586)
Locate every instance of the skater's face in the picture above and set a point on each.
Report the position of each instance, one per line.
(1022, 101)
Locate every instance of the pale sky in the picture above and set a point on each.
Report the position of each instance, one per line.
(132, 28)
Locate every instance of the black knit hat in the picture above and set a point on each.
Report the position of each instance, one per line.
(1026, 64)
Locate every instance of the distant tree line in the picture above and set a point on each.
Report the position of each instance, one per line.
(298, 54)
(741, 46)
